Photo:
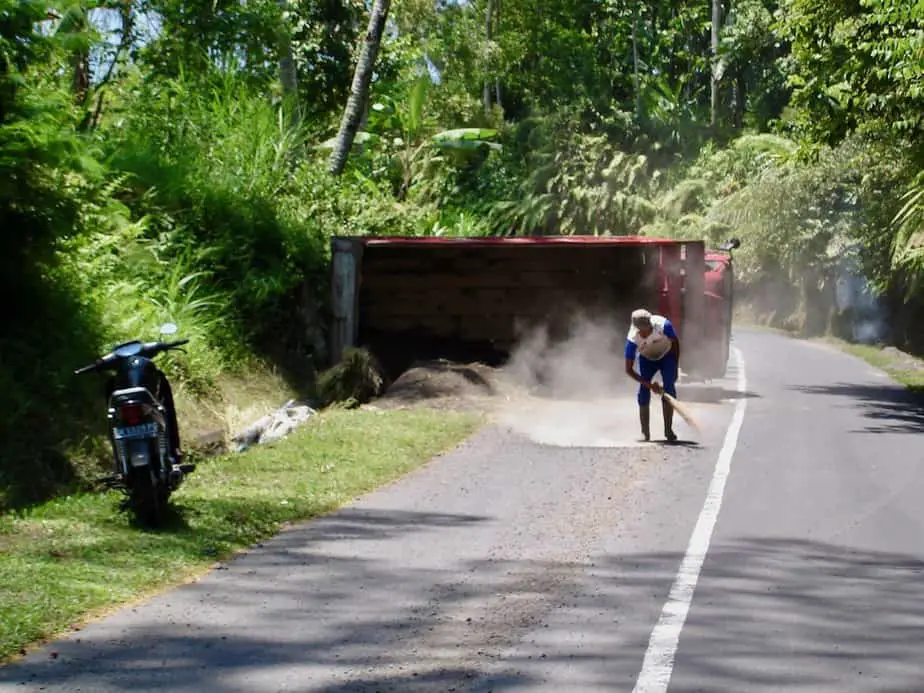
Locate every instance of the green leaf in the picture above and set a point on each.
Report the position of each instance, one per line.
(416, 104)
(467, 145)
(466, 134)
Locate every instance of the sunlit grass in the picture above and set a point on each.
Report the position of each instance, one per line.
(75, 556)
(906, 369)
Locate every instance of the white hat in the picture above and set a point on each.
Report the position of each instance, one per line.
(641, 317)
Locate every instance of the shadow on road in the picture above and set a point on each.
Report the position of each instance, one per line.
(767, 612)
(679, 443)
(896, 410)
(711, 394)
(788, 613)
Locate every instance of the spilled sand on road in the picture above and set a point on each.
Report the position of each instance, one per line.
(570, 392)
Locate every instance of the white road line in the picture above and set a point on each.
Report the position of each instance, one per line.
(658, 665)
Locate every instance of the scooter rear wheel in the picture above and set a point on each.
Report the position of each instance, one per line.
(149, 499)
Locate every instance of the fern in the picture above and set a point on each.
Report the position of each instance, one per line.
(589, 188)
(908, 244)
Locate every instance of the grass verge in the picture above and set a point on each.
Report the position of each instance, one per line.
(902, 367)
(71, 558)
(234, 402)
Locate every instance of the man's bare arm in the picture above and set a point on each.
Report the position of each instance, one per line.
(630, 371)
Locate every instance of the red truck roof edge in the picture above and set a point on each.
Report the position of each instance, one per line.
(514, 240)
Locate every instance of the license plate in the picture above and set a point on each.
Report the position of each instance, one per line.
(145, 430)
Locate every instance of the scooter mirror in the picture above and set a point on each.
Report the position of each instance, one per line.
(168, 328)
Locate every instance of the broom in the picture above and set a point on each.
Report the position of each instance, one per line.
(682, 410)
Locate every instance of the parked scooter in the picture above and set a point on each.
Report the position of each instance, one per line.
(142, 426)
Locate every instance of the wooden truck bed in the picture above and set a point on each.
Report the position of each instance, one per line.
(471, 299)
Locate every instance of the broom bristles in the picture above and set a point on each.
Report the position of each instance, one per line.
(682, 410)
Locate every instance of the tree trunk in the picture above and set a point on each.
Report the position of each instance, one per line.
(288, 75)
(497, 84)
(489, 12)
(359, 92)
(635, 74)
(741, 98)
(80, 61)
(714, 72)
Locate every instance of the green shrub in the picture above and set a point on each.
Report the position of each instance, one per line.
(215, 162)
(355, 380)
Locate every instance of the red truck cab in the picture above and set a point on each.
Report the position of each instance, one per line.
(719, 290)
(707, 333)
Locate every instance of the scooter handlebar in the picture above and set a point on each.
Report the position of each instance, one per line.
(174, 345)
(150, 348)
(87, 369)
(96, 365)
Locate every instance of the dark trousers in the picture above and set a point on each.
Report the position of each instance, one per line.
(647, 369)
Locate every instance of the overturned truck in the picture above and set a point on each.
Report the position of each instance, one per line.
(465, 299)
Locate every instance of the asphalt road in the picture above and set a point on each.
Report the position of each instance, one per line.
(784, 552)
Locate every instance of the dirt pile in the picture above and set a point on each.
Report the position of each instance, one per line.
(529, 408)
(448, 385)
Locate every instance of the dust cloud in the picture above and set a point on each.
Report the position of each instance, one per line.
(572, 390)
(843, 303)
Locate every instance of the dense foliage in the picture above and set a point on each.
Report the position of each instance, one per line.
(166, 160)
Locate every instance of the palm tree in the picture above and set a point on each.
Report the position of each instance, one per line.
(359, 92)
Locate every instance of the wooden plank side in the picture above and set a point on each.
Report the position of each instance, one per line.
(487, 294)
(516, 301)
(346, 260)
(411, 260)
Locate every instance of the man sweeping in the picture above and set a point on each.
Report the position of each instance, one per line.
(653, 339)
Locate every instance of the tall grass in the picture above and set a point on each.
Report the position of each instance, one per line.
(195, 217)
(216, 161)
